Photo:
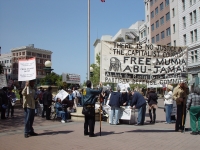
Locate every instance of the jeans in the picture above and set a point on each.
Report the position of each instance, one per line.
(168, 111)
(62, 114)
(28, 120)
(8, 110)
(89, 121)
(141, 114)
(114, 112)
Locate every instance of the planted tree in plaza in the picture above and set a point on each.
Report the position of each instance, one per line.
(52, 79)
(96, 72)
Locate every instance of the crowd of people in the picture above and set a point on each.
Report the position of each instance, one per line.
(33, 99)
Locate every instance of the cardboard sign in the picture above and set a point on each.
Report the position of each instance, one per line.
(27, 70)
(62, 95)
(3, 81)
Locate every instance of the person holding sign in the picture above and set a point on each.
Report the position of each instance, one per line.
(89, 108)
(3, 102)
(138, 102)
(29, 108)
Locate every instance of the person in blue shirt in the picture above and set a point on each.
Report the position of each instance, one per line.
(60, 112)
(138, 102)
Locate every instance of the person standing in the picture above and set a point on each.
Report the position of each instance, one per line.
(89, 104)
(4, 102)
(138, 102)
(193, 105)
(180, 96)
(114, 103)
(168, 103)
(29, 108)
(11, 98)
(152, 102)
(47, 98)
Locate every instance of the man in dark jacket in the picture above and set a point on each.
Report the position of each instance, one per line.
(89, 102)
(47, 99)
(3, 101)
(139, 103)
(115, 102)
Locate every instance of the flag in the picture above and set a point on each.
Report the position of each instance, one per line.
(103, 0)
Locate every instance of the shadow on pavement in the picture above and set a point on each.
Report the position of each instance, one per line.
(107, 133)
(151, 131)
(47, 132)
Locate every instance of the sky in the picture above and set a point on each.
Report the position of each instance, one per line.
(61, 27)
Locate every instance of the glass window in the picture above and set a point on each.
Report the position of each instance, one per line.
(152, 40)
(167, 16)
(145, 33)
(157, 23)
(161, 20)
(174, 28)
(152, 27)
(190, 2)
(173, 12)
(168, 32)
(195, 16)
(162, 35)
(174, 42)
(184, 22)
(183, 4)
(156, 10)
(152, 14)
(195, 34)
(151, 2)
(166, 2)
(191, 37)
(191, 19)
(184, 39)
(157, 37)
(161, 6)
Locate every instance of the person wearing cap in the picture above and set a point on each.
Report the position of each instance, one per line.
(138, 102)
(180, 96)
(89, 95)
(11, 99)
(152, 102)
(3, 102)
(168, 102)
(29, 108)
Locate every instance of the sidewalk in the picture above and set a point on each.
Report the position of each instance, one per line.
(54, 135)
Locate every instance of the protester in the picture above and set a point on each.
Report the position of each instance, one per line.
(3, 101)
(114, 103)
(60, 112)
(168, 102)
(152, 102)
(29, 108)
(129, 94)
(124, 97)
(77, 97)
(70, 100)
(138, 102)
(193, 105)
(180, 96)
(89, 107)
(11, 101)
(47, 98)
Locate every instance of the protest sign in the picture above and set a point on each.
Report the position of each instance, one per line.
(142, 63)
(71, 78)
(27, 70)
(3, 81)
(62, 94)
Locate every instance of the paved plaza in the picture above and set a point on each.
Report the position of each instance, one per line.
(54, 135)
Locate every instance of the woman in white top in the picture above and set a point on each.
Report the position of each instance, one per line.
(168, 103)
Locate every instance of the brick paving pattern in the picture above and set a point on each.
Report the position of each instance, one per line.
(54, 135)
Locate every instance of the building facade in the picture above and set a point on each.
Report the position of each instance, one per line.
(6, 62)
(27, 52)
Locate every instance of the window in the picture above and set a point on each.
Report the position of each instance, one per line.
(39, 55)
(161, 20)
(152, 14)
(152, 27)
(174, 28)
(169, 44)
(166, 2)
(145, 33)
(20, 53)
(157, 23)
(152, 40)
(13, 54)
(48, 56)
(147, 17)
(195, 16)
(168, 33)
(173, 12)
(183, 4)
(151, 2)
(194, 2)
(147, 6)
(29, 53)
(141, 35)
(16, 54)
(190, 2)
(194, 56)
(174, 42)
(157, 37)
(195, 34)
(184, 39)
(156, 11)
(44, 56)
(191, 37)
(23, 53)
(167, 16)
(161, 6)
(162, 35)
(184, 22)
(148, 30)
(191, 19)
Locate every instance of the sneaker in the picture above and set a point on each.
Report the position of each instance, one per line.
(62, 121)
(26, 135)
(33, 134)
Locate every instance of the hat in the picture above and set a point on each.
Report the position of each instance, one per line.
(128, 88)
(170, 87)
(123, 90)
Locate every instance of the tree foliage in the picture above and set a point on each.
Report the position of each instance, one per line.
(96, 72)
(52, 79)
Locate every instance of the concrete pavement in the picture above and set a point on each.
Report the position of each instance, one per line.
(54, 135)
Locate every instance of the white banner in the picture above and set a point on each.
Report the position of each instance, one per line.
(71, 78)
(3, 81)
(27, 70)
(62, 95)
(142, 63)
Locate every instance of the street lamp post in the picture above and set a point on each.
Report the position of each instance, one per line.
(48, 70)
(88, 43)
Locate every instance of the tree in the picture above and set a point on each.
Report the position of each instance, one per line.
(52, 79)
(1, 69)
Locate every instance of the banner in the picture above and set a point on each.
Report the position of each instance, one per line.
(71, 78)
(142, 63)
(3, 81)
(62, 95)
(27, 70)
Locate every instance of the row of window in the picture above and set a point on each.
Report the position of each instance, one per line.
(5, 61)
(161, 21)
(161, 5)
(161, 35)
(193, 37)
(157, 10)
(194, 56)
(31, 54)
(192, 2)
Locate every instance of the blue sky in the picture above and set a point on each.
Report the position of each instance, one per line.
(61, 26)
